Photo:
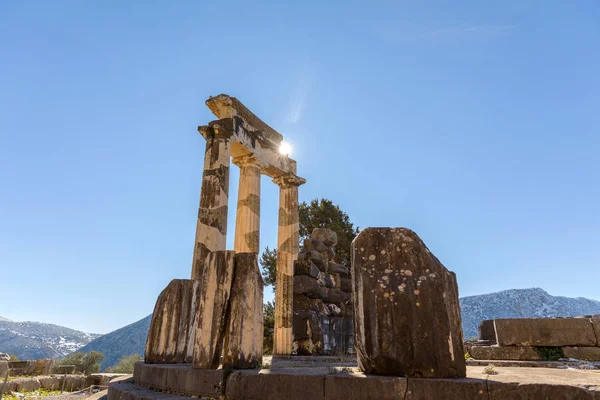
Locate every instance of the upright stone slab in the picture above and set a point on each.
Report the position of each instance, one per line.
(407, 316)
(244, 333)
(215, 291)
(486, 330)
(171, 333)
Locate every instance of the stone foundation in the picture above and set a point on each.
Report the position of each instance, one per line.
(345, 384)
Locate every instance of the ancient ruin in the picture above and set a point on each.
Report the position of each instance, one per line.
(397, 306)
(407, 316)
(323, 312)
(531, 339)
(196, 320)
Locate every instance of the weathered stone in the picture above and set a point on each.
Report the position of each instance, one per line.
(302, 302)
(3, 368)
(304, 284)
(171, 334)
(313, 244)
(504, 353)
(327, 280)
(287, 252)
(358, 386)
(447, 389)
(595, 320)
(4, 357)
(273, 385)
(346, 285)
(324, 235)
(318, 260)
(545, 332)
(50, 382)
(486, 330)
(308, 335)
(244, 336)
(214, 299)
(405, 305)
(247, 220)
(336, 296)
(582, 353)
(181, 379)
(343, 271)
(306, 267)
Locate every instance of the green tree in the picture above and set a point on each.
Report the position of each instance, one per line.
(14, 358)
(125, 364)
(85, 363)
(269, 329)
(316, 214)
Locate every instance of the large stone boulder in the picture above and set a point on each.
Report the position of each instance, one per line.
(407, 316)
(171, 335)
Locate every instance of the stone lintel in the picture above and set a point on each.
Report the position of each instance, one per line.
(252, 135)
(225, 106)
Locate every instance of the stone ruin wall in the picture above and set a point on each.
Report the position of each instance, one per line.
(323, 319)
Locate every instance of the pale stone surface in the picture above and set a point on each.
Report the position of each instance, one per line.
(211, 228)
(172, 330)
(407, 316)
(504, 353)
(545, 332)
(582, 353)
(247, 222)
(244, 335)
(215, 291)
(287, 252)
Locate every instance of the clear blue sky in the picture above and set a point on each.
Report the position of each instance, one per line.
(476, 124)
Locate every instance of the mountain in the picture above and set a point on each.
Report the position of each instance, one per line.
(521, 303)
(125, 341)
(32, 340)
(2, 319)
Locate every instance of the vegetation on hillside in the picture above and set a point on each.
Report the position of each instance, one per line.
(85, 363)
(125, 364)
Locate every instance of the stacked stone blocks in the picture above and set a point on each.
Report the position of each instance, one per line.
(323, 312)
(525, 338)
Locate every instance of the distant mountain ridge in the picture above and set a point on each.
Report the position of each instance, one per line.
(521, 303)
(32, 340)
(2, 319)
(130, 339)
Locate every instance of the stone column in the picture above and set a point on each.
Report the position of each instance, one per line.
(247, 222)
(287, 252)
(211, 229)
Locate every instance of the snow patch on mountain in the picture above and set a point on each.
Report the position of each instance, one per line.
(32, 340)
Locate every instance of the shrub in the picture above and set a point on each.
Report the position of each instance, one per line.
(84, 363)
(125, 364)
(550, 353)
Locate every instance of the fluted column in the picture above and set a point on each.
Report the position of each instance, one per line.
(287, 252)
(247, 222)
(211, 229)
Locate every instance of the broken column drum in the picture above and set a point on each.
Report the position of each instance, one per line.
(196, 320)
